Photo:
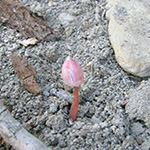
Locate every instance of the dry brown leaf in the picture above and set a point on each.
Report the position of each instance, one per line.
(26, 74)
(16, 16)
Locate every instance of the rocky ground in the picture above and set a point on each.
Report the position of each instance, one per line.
(114, 105)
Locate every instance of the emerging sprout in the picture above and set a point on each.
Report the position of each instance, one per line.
(72, 75)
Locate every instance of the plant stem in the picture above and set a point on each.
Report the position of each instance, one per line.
(74, 107)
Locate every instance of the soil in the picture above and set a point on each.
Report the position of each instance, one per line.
(102, 121)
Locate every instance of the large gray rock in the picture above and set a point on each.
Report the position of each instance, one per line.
(138, 104)
(129, 31)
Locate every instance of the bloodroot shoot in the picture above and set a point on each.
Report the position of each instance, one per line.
(72, 75)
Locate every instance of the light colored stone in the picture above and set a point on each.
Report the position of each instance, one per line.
(129, 32)
(66, 18)
(137, 128)
(46, 93)
(138, 104)
(53, 108)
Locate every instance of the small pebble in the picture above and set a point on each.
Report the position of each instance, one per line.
(53, 108)
(66, 18)
(45, 93)
(139, 141)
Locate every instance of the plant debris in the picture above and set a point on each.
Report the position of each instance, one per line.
(30, 41)
(16, 16)
(26, 74)
(14, 134)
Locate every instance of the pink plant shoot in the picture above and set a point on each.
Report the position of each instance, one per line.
(72, 75)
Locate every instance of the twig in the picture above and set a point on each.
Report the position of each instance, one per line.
(15, 135)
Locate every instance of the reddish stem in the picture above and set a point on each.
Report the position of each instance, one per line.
(74, 107)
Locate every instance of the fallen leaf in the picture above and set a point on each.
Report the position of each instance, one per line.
(16, 16)
(26, 74)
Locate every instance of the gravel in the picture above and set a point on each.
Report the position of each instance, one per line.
(102, 121)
